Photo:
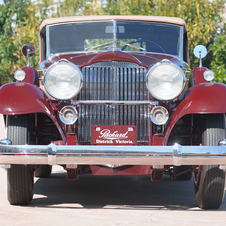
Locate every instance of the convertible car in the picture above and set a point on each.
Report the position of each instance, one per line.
(114, 95)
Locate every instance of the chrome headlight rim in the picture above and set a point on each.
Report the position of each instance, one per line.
(159, 64)
(72, 95)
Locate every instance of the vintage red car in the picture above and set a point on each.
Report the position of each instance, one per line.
(114, 95)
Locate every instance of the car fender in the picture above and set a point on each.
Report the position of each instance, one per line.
(25, 98)
(205, 98)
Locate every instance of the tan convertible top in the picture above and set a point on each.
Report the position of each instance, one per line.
(161, 19)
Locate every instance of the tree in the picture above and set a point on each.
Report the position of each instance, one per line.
(20, 20)
(218, 59)
(80, 8)
(201, 16)
(28, 32)
(12, 14)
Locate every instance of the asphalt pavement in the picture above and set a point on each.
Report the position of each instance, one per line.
(106, 200)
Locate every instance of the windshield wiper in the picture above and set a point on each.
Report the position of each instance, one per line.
(108, 43)
(135, 47)
(95, 47)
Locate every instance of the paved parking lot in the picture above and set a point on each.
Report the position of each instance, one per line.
(102, 200)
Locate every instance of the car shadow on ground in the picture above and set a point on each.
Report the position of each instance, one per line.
(122, 192)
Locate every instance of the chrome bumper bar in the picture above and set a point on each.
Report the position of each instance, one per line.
(127, 155)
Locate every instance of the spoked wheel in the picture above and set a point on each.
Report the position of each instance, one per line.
(43, 171)
(209, 180)
(20, 178)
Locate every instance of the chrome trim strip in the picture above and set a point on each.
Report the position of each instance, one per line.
(114, 34)
(47, 43)
(181, 53)
(114, 102)
(128, 155)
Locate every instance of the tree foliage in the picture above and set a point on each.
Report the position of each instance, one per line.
(218, 60)
(201, 16)
(20, 21)
(80, 8)
(11, 14)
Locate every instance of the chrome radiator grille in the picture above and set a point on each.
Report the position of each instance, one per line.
(114, 81)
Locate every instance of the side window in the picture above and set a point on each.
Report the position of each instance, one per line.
(185, 48)
(43, 44)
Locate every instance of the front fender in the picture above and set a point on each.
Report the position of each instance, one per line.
(205, 98)
(23, 98)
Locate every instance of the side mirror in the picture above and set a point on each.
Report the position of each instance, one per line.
(28, 50)
(200, 51)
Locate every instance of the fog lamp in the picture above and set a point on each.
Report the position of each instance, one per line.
(159, 115)
(68, 115)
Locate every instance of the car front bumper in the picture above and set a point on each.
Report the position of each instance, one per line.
(127, 155)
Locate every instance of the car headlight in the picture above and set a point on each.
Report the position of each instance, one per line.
(165, 80)
(63, 80)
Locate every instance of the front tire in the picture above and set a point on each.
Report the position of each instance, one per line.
(20, 178)
(209, 181)
(43, 171)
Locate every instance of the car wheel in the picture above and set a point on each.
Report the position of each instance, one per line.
(184, 176)
(43, 171)
(209, 180)
(20, 178)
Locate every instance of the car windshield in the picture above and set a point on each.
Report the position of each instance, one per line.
(113, 35)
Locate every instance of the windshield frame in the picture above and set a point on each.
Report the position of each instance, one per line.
(49, 55)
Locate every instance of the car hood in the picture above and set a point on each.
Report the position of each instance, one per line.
(143, 59)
